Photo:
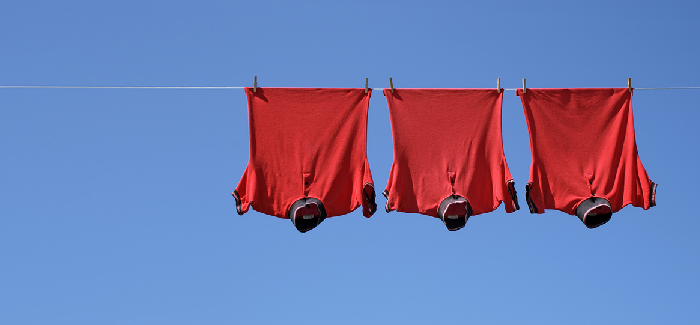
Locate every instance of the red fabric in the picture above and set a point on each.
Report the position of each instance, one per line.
(447, 141)
(582, 144)
(307, 142)
(458, 208)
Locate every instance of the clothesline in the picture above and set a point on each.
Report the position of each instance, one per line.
(114, 87)
(177, 87)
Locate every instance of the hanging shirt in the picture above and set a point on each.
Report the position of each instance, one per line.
(583, 147)
(307, 143)
(447, 142)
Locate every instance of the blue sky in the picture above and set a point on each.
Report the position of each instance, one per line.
(116, 205)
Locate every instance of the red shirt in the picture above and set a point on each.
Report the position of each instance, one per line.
(447, 141)
(307, 142)
(582, 143)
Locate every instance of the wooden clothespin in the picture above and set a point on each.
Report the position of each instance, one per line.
(524, 87)
(255, 85)
(366, 85)
(629, 84)
(498, 88)
(391, 84)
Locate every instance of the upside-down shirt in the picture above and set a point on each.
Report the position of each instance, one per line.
(307, 142)
(447, 141)
(583, 146)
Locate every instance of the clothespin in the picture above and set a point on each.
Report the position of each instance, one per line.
(366, 85)
(255, 85)
(498, 88)
(629, 84)
(391, 84)
(524, 87)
